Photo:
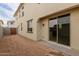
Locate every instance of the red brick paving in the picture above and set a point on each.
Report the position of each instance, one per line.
(16, 45)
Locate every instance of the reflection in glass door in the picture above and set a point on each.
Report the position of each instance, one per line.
(64, 30)
(53, 30)
(59, 29)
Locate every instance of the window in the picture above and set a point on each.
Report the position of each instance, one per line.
(12, 23)
(21, 26)
(29, 26)
(19, 14)
(38, 3)
(22, 7)
(23, 13)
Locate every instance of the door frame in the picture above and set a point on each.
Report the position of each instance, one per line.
(57, 30)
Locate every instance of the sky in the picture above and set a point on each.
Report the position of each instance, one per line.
(7, 11)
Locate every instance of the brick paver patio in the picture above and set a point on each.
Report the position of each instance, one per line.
(16, 45)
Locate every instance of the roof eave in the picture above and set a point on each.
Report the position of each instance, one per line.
(72, 7)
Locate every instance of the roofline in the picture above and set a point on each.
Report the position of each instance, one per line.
(18, 9)
(66, 9)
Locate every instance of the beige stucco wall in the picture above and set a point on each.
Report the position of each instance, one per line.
(75, 29)
(43, 30)
(35, 11)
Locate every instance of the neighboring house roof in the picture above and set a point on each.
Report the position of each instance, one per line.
(18, 8)
(1, 22)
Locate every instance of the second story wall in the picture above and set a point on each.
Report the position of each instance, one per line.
(40, 9)
(43, 9)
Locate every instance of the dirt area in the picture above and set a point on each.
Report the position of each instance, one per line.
(16, 45)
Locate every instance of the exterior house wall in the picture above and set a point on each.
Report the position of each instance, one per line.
(75, 28)
(36, 11)
(1, 32)
(45, 21)
(44, 30)
(1, 29)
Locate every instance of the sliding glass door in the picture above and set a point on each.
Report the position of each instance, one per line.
(59, 29)
(64, 30)
(53, 29)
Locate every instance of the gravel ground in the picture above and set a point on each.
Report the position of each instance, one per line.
(16, 45)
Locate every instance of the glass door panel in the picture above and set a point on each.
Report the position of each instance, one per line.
(59, 30)
(64, 30)
(53, 30)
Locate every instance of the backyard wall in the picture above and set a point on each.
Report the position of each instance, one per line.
(9, 31)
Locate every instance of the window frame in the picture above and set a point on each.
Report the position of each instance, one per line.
(22, 7)
(29, 30)
(61, 16)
